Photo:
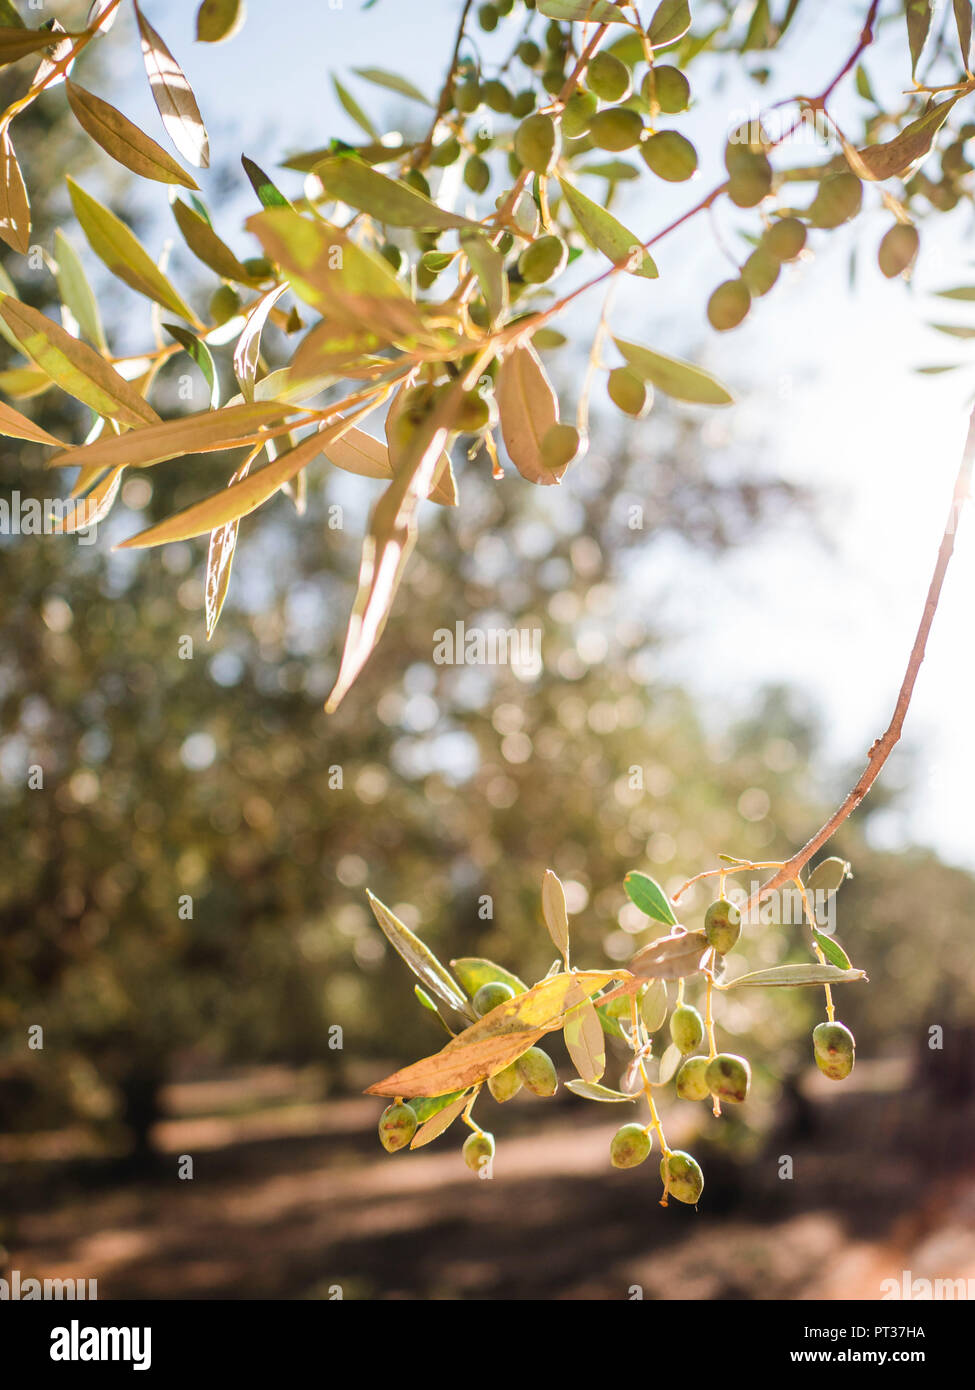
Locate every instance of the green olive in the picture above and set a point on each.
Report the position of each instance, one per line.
(668, 87)
(542, 259)
(682, 1177)
(629, 1146)
(537, 143)
(728, 1077)
(608, 78)
(496, 95)
(834, 1047)
(224, 304)
(487, 17)
(578, 113)
(722, 925)
(898, 249)
(561, 443)
(785, 239)
(505, 1084)
(537, 1072)
(529, 53)
(477, 173)
(523, 103)
(478, 1151)
(691, 1081)
(616, 128)
(629, 393)
(259, 267)
(728, 305)
(670, 156)
(397, 1126)
(838, 199)
(686, 1028)
(467, 96)
(489, 996)
(760, 272)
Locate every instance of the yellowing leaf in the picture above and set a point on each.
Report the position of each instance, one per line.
(74, 366)
(220, 557)
(360, 453)
(584, 1040)
(17, 426)
(243, 496)
(387, 200)
(206, 245)
(98, 503)
(202, 433)
(529, 408)
(173, 96)
(14, 203)
(17, 43)
(901, 155)
(123, 253)
(124, 141)
(436, 1125)
(556, 916)
(607, 235)
(670, 957)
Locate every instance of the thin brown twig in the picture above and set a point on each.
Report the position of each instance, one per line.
(421, 153)
(883, 746)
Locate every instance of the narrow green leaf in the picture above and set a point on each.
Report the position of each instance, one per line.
(918, 14)
(113, 242)
(420, 958)
(903, 154)
(392, 82)
(963, 23)
(671, 21)
(441, 1121)
(205, 432)
(75, 291)
(487, 263)
(124, 141)
(353, 108)
(649, 897)
(591, 1090)
(265, 188)
(206, 245)
(349, 180)
(599, 11)
(832, 950)
(790, 976)
(607, 235)
(201, 355)
(673, 376)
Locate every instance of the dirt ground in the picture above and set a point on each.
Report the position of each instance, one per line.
(292, 1198)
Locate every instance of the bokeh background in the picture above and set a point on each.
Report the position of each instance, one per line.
(743, 649)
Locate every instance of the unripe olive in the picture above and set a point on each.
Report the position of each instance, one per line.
(397, 1126)
(537, 143)
(467, 96)
(489, 996)
(668, 87)
(445, 153)
(553, 80)
(390, 252)
(722, 925)
(523, 103)
(505, 1084)
(629, 1146)
(608, 78)
(537, 1072)
(542, 259)
(728, 305)
(616, 128)
(478, 1150)
(259, 267)
(477, 173)
(682, 1176)
(785, 239)
(505, 243)
(554, 37)
(838, 199)
(898, 249)
(670, 156)
(529, 52)
(560, 445)
(579, 111)
(496, 95)
(760, 272)
(750, 176)
(834, 1047)
(692, 1079)
(686, 1028)
(504, 7)
(629, 392)
(224, 303)
(487, 18)
(728, 1077)
(475, 414)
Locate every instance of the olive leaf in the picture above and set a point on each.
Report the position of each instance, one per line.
(443, 485)
(220, 558)
(173, 96)
(248, 351)
(670, 22)
(599, 11)
(17, 43)
(439, 1122)
(653, 1005)
(789, 976)
(607, 234)
(265, 188)
(649, 897)
(201, 355)
(239, 499)
(963, 23)
(123, 140)
(17, 426)
(590, 1090)
(113, 242)
(832, 950)
(674, 377)
(422, 962)
(670, 957)
(353, 108)
(424, 1107)
(201, 433)
(14, 203)
(351, 181)
(918, 14)
(828, 876)
(206, 245)
(487, 263)
(584, 1040)
(474, 971)
(76, 293)
(555, 913)
(73, 365)
(528, 408)
(901, 155)
(664, 1070)
(392, 82)
(359, 452)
